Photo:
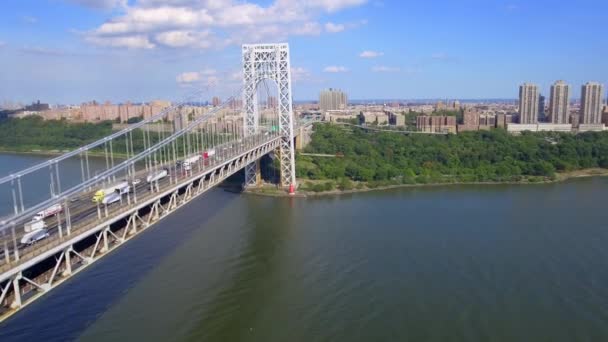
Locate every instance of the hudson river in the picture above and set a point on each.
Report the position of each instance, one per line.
(460, 263)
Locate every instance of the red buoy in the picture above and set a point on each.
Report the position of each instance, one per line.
(292, 191)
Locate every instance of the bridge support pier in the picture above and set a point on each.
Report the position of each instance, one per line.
(68, 262)
(16, 292)
(253, 175)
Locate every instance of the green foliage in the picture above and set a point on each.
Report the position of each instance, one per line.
(35, 133)
(135, 119)
(379, 158)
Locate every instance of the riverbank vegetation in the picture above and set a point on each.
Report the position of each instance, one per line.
(376, 159)
(35, 134)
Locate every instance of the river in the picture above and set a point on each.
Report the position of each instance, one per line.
(460, 263)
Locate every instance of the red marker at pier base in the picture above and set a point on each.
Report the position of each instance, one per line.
(292, 191)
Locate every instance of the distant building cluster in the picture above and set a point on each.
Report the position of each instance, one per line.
(332, 99)
(561, 116)
(436, 124)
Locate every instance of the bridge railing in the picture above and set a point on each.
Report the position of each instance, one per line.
(127, 167)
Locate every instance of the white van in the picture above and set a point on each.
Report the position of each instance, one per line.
(35, 236)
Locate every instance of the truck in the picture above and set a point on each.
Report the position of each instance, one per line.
(35, 236)
(34, 225)
(120, 189)
(157, 175)
(189, 162)
(50, 211)
(111, 198)
(208, 154)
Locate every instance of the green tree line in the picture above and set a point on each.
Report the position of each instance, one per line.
(484, 156)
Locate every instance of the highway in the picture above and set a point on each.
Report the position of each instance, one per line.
(84, 211)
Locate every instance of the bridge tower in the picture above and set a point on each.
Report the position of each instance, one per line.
(269, 61)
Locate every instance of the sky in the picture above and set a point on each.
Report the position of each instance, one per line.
(71, 51)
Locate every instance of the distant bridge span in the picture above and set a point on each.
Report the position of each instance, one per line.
(162, 172)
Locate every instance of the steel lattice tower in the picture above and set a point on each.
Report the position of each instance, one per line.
(269, 61)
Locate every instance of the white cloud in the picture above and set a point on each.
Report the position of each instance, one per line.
(335, 69)
(100, 4)
(299, 74)
(29, 19)
(383, 68)
(188, 77)
(444, 57)
(308, 29)
(370, 54)
(37, 50)
(207, 77)
(195, 23)
(178, 39)
(132, 42)
(336, 5)
(512, 7)
(334, 28)
(439, 55)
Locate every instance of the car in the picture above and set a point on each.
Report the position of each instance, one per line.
(136, 181)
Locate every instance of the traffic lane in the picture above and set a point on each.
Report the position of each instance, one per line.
(86, 210)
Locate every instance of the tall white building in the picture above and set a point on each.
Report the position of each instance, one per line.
(592, 100)
(332, 99)
(559, 103)
(528, 103)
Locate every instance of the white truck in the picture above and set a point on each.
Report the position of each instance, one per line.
(157, 175)
(117, 189)
(35, 236)
(50, 211)
(33, 226)
(189, 162)
(112, 197)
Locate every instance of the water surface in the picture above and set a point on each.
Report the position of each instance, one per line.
(461, 263)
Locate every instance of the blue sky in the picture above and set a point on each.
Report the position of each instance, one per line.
(69, 51)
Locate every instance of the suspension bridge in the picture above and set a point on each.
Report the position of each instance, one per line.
(152, 168)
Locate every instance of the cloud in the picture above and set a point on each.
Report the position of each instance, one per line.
(211, 23)
(36, 50)
(132, 42)
(299, 74)
(308, 29)
(439, 55)
(178, 39)
(334, 28)
(370, 54)
(512, 7)
(29, 19)
(443, 57)
(382, 68)
(100, 4)
(205, 77)
(188, 77)
(335, 69)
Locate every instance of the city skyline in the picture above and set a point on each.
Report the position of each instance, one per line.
(68, 51)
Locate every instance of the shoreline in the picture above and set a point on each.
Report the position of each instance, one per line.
(560, 178)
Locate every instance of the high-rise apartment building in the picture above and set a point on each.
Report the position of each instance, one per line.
(592, 100)
(216, 101)
(541, 108)
(528, 103)
(559, 103)
(332, 99)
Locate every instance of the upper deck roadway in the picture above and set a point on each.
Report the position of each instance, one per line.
(83, 219)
